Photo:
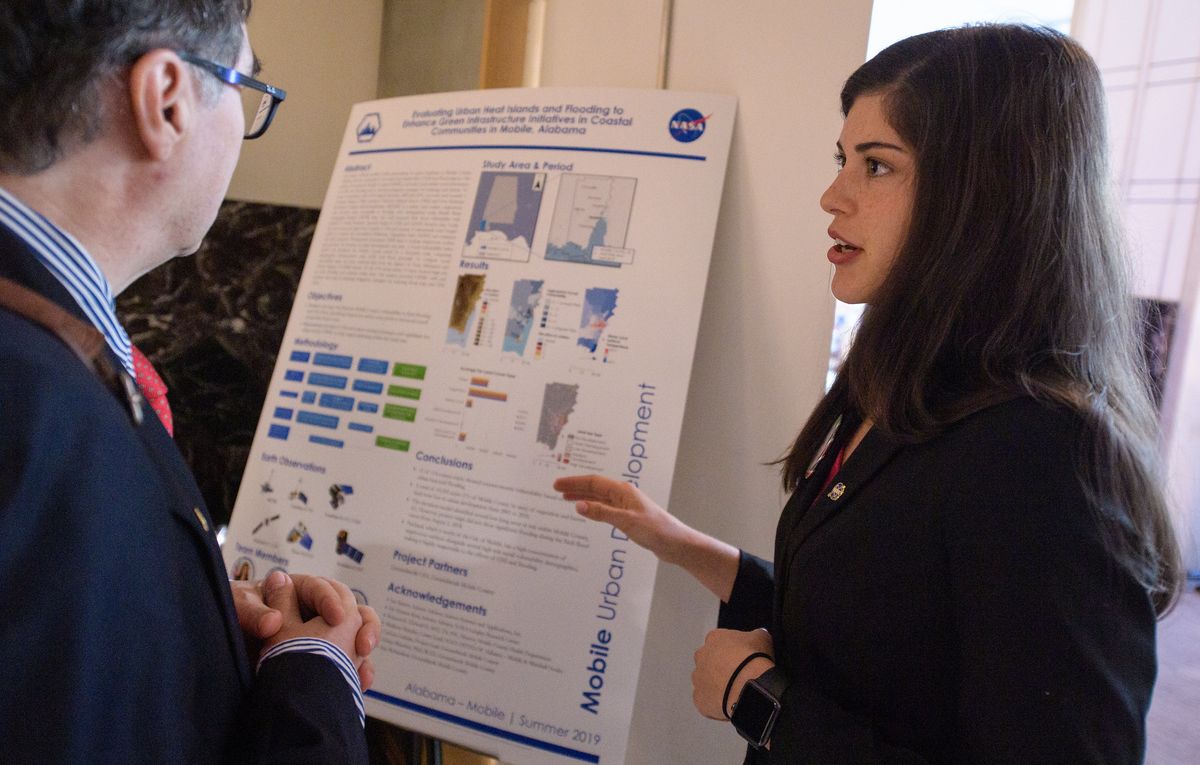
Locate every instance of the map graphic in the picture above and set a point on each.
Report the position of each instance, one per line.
(599, 304)
(466, 297)
(504, 216)
(557, 405)
(591, 218)
(525, 297)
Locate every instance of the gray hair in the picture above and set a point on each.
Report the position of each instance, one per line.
(57, 55)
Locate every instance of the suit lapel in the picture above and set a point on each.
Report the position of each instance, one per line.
(875, 451)
(188, 507)
(800, 503)
(19, 264)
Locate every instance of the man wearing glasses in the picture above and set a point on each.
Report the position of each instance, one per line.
(120, 125)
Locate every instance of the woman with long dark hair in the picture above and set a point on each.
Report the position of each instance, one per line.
(977, 544)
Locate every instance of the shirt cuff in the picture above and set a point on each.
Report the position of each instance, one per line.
(329, 651)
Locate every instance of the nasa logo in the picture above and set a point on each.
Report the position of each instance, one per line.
(368, 127)
(687, 125)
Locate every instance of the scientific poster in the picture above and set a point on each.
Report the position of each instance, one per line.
(504, 287)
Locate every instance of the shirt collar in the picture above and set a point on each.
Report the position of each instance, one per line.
(67, 259)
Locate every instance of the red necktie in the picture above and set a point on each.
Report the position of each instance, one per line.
(153, 389)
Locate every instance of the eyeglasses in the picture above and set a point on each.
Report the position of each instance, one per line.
(258, 109)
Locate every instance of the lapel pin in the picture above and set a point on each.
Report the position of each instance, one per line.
(133, 397)
(837, 491)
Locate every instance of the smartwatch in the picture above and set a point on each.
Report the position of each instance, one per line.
(758, 706)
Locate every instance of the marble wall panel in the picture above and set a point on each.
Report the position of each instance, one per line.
(211, 324)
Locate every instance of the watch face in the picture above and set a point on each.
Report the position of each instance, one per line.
(755, 714)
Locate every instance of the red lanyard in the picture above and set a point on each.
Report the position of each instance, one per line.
(833, 471)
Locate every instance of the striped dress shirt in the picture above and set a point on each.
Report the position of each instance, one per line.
(65, 258)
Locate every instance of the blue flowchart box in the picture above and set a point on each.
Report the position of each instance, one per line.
(334, 401)
(374, 366)
(323, 441)
(367, 386)
(315, 418)
(327, 381)
(333, 360)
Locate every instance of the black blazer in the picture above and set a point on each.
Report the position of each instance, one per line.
(121, 644)
(950, 602)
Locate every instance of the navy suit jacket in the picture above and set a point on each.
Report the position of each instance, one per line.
(951, 602)
(120, 639)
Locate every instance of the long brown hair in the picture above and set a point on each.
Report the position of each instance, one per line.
(1013, 277)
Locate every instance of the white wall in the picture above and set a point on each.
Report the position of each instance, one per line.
(614, 43)
(1148, 53)
(764, 334)
(430, 46)
(326, 56)
(1181, 410)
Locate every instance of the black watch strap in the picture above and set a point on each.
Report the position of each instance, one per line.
(773, 681)
(758, 707)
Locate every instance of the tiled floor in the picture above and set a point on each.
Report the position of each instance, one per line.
(1174, 723)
